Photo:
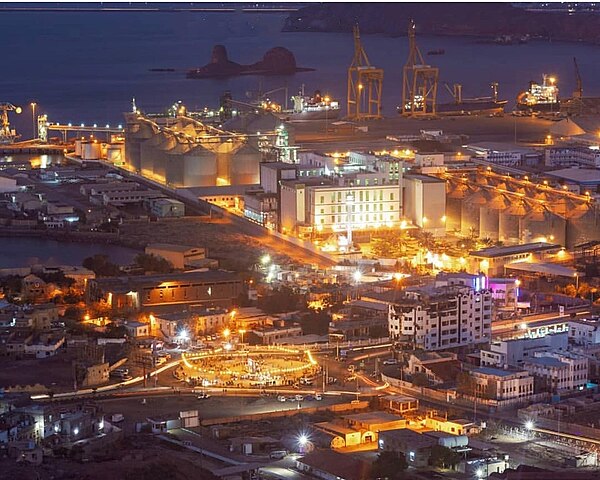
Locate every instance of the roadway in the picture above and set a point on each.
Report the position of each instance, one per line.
(515, 326)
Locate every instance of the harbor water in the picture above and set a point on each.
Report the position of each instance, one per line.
(87, 66)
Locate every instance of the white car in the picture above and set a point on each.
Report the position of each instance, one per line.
(299, 398)
(281, 398)
(318, 397)
(390, 361)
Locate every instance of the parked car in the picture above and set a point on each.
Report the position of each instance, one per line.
(278, 454)
(318, 397)
(299, 398)
(390, 361)
(203, 396)
(281, 398)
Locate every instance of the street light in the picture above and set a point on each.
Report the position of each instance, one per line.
(529, 425)
(265, 259)
(226, 333)
(34, 134)
(357, 276)
(241, 332)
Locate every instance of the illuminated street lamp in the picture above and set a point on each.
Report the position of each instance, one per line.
(226, 333)
(33, 105)
(529, 425)
(241, 332)
(357, 276)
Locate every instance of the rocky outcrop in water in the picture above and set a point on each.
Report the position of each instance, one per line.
(476, 19)
(277, 61)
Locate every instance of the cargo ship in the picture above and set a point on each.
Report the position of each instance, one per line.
(489, 105)
(540, 98)
(317, 107)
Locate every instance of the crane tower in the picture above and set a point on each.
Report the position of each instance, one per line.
(7, 135)
(420, 81)
(365, 83)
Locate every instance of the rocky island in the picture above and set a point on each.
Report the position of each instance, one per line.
(277, 61)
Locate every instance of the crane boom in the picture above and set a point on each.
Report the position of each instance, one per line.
(578, 93)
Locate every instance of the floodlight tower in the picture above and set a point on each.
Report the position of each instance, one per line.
(420, 81)
(365, 84)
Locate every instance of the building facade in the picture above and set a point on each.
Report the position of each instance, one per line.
(441, 318)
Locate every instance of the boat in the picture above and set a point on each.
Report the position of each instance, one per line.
(489, 105)
(315, 107)
(439, 51)
(540, 98)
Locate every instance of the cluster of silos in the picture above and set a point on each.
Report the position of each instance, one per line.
(187, 154)
(514, 213)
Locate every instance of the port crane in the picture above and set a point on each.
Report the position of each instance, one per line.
(578, 93)
(8, 135)
(365, 84)
(419, 82)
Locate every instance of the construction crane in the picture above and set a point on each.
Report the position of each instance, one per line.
(365, 84)
(6, 134)
(578, 93)
(420, 81)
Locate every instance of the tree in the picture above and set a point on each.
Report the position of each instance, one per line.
(316, 322)
(390, 246)
(152, 263)
(389, 466)
(281, 300)
(443, 457)
(101, 266)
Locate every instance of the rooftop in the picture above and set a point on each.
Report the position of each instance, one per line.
(586, 176)
(494, 252)
(423, 178)
(374, 417)
(547, 362)
(495, 371)
(345, 467)
(172, 247)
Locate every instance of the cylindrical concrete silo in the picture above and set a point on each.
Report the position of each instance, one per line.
(541, 224)
(509, 221)
(470, 213)
(200, 168)
(245, 168)
(583, 223)
(489, 220)
(455, 197)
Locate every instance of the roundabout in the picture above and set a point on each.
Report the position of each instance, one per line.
(250, 367)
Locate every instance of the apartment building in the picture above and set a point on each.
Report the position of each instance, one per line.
(500, 384)
(573, 157)
(512, 353)
(559, 371)
(437, 318)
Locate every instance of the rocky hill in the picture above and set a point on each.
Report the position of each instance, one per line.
(476, 19)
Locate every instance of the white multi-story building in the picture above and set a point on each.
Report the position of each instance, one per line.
(513, 352)
(425, 202)
(368, 201)
(585, 331)
(504, 154)
(440, 318)
(573, 156)
(502, 384)
(559, 371)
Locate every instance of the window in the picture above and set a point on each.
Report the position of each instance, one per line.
(391, 196)
(322, 199)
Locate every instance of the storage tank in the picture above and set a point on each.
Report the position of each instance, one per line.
(509, 222)
(470, 217)
(245, 166)
(583, 224)
(454, 199)
(78, 148)
(91, 150)
(454, 441)
(199, 168)
(539, 223)
(489, 216)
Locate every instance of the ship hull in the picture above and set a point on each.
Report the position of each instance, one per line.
(539, 107)
(474, 107)
(310, 115)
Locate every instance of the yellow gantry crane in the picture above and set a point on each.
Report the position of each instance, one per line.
(420, 81)
(7, 134)
(365, 83)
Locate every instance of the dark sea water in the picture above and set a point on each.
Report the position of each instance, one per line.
(22, 252)
(86, 66)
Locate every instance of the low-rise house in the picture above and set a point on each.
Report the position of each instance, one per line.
(272, 335)
(399, 403)
(330, 465)
(180, 256)
(513, 352)
(415, 446)
(375, 421)
(137, 329)
(439, 368)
